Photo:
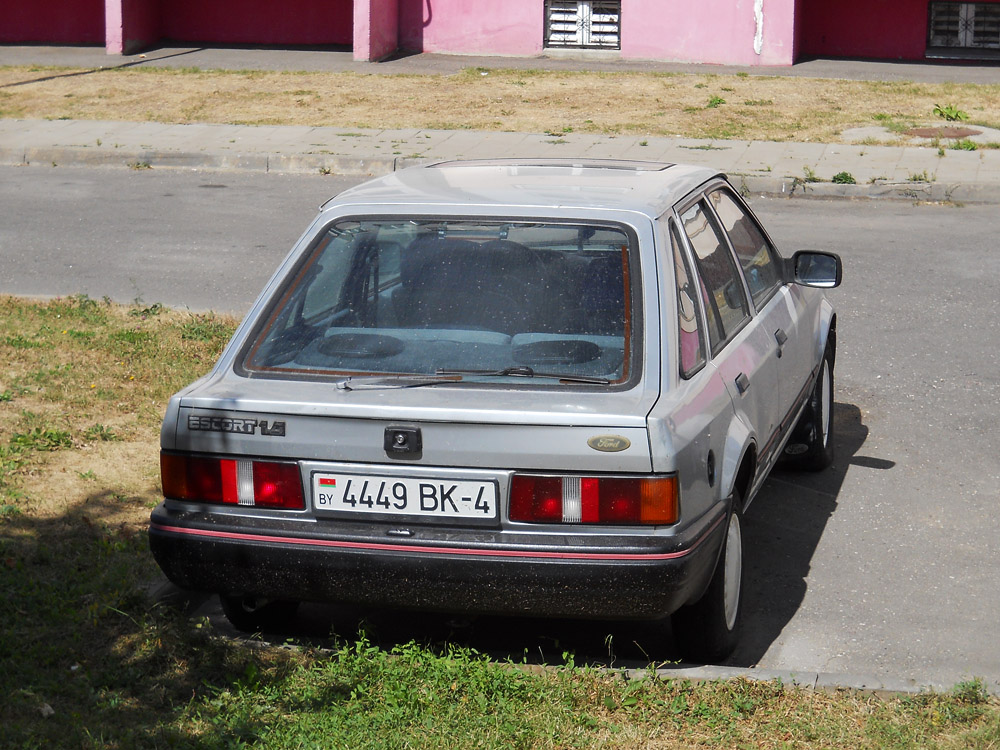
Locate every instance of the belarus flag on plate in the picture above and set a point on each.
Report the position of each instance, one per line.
(327, 482)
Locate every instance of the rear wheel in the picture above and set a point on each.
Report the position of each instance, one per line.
(253, 615)
(811, 445)
(708, 630)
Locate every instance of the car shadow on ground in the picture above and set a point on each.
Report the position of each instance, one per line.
(781, 532)
(782, 529)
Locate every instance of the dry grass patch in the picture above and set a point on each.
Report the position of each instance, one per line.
(697, 106)
(83, 386)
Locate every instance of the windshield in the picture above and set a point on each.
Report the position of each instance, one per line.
(483, 298)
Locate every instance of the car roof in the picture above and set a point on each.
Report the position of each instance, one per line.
(646, 187)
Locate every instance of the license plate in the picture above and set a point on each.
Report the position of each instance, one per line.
(404, 496)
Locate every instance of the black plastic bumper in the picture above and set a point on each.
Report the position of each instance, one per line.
(645, 580)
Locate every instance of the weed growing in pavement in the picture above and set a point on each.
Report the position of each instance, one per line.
(706, 147)
(919, 177)
(950, 112)
(843, 178)
(964, 144)
(810, 175)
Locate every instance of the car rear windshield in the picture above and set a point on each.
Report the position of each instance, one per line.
(489, 298)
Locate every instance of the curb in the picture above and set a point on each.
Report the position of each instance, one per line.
(930, 192)
(927, 192)
(248, 162)
(825, 682)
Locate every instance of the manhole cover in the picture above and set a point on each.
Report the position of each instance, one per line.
(943, 132)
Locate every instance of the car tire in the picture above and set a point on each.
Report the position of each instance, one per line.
(252, 615)
(707, 630)
(811, 445)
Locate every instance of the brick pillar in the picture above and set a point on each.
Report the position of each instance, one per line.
(376, 29)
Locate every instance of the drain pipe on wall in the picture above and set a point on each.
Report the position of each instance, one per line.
(758, 17)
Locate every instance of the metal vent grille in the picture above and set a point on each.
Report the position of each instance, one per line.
(968, 25)
(583, 24)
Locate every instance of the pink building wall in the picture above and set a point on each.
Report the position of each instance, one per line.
(131, 25)
(715, 31)
(376, 29)
(725, 32)
(472, 27)
(52, 21)
(738, 32)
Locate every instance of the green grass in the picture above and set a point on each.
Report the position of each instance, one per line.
(88, 660)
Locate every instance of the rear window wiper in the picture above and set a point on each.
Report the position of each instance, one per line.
(523, 371)
(372, 382)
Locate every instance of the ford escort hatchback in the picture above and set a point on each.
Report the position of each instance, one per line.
(511, 387)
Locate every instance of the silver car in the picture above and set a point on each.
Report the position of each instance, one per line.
(512, 387)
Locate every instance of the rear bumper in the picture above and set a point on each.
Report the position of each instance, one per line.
(646, 578)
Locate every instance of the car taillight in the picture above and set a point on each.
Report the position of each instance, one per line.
(603, 500)
(242, 481)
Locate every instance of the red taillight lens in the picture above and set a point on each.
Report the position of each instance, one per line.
(191, 478)
(262, 484)
(602, 500)
(277, 485)
(536, 499)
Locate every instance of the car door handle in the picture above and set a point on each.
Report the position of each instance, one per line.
(781, 337)
(742, 383)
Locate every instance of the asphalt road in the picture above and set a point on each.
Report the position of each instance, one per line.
(884, 565)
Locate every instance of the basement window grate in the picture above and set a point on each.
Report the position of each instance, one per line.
(964, 25)
(583, 24)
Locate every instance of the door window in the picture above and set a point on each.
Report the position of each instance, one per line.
(722, 288)
(756, 256)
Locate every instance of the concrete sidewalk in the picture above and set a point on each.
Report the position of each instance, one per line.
(791, 169)
(338, 59)
(880, 171)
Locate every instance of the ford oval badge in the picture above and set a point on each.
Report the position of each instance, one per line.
(609, 443)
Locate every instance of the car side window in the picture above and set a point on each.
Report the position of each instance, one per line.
(722, 289)
(756, 255)
(691, 345)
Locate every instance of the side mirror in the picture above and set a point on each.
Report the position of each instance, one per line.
(811, 268)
